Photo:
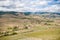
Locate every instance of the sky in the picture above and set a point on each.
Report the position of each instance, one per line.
(30, 5)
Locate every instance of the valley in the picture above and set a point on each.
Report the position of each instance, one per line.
(29, 26)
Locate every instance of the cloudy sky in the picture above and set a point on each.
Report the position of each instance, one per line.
(30, 5)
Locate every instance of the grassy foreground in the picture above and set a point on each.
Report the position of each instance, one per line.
(48, 34)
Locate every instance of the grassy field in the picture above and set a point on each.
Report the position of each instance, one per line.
(48, 34)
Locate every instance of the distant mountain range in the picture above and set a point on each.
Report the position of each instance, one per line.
(28, 13)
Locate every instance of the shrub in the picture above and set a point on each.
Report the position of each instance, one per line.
(26, 28)
(14, 33)
(6, 33)
(15, 28)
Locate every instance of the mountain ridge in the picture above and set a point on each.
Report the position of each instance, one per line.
(27, 13)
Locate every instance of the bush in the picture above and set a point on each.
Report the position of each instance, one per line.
(47, 24)
(14, 33)
(6, 33)
(15, 28)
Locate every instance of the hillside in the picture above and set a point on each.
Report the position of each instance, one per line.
(38, 24)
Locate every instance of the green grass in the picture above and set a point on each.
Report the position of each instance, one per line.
(45, 32)
(55, 33)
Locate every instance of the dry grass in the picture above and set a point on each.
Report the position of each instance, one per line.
(30, 26)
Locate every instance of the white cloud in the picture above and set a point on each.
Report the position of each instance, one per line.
(28, 5)
(53, 8)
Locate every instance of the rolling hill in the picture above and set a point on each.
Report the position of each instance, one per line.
(29, 24)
